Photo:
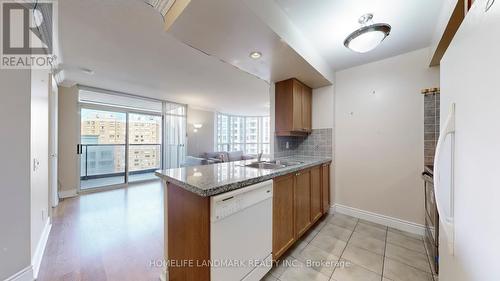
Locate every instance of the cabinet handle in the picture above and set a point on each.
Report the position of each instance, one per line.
(297, 174)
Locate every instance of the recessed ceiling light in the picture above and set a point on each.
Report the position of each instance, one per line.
(255, 55)
(368, 36)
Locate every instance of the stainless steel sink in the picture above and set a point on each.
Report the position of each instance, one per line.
(265, 165)
(285, 163)
(274, 164)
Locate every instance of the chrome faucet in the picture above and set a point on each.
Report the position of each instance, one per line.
(259, 156)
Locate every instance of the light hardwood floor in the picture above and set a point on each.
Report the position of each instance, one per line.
(111, 235)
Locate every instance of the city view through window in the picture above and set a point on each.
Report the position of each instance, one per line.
(243, 133)
(104, 147)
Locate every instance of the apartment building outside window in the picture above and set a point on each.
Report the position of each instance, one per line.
(250, 134)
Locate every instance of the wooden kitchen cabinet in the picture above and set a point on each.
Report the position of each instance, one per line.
(302, 190)
(283, 214)
(299, 200)
(325, 187)
(293, 108)
(316, 198)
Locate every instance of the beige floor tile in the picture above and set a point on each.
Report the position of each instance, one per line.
(383, 227)
(295, 250)
(353, 272)
(318, 259)
(342, 221)
(280, 267)
(363, 258)
(300, 272)
(336, 231)
(408, 257)
(329, 244)
(308, 236)
(406, 242)
(368, 243)
(370, 231)
(412, 235)
(397, 271)
(269, 277)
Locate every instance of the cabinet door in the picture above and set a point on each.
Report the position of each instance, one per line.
(302, 192)
(283, 215)
(297, 106)
(325, 187)
(316, 203)
(306, 108)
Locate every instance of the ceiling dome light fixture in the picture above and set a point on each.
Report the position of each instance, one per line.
(255, 55)
(368, 36)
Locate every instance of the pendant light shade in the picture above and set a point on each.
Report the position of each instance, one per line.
(368, 36)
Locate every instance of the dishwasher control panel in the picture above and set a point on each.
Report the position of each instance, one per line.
(226, 204)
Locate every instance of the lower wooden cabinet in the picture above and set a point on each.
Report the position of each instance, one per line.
(302, 190)
(316, 199)
(283, 214)
(299, 200)
(325, 187)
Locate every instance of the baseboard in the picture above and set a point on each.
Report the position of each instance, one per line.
(67, 193)
(380, 219)
(26, 274)
(36, 261)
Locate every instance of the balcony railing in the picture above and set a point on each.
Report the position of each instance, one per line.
(106, 164)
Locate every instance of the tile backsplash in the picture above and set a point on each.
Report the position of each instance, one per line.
(318, 143)
(431, 126)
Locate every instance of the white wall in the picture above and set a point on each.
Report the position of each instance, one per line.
(323, 116)
(204, 139)
(323, 112)
(69, 120)
(15, 171)
(380, 136)
(40, 163)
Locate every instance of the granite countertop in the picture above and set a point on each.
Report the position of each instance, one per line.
(209, 180)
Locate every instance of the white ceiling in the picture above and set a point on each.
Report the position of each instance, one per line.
(326, 23)
(229, 30)
(125, 44)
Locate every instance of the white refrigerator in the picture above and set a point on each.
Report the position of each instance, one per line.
(467, 165)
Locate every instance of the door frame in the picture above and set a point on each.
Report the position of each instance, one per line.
(126, 111)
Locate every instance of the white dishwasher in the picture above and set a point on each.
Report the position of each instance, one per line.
(241, 233)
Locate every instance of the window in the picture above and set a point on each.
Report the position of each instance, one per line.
(250, 134)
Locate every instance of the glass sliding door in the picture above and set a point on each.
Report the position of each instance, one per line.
(102, 149)
(126, 138)
(175, 135)
(144, 146)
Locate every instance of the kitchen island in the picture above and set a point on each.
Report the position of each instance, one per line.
(300, 197)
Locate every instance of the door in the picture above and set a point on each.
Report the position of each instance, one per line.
(302, 190)
(102, 148)
(325, 187)
(283, 215)
(306, 108)
(297, 106)
(53, 144)
(316, 203)
(144, 146)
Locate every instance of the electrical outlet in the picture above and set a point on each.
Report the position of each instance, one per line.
(287, 145)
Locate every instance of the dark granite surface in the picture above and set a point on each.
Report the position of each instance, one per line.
(209, 180)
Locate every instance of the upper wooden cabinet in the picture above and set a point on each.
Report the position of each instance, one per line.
(293, 108)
